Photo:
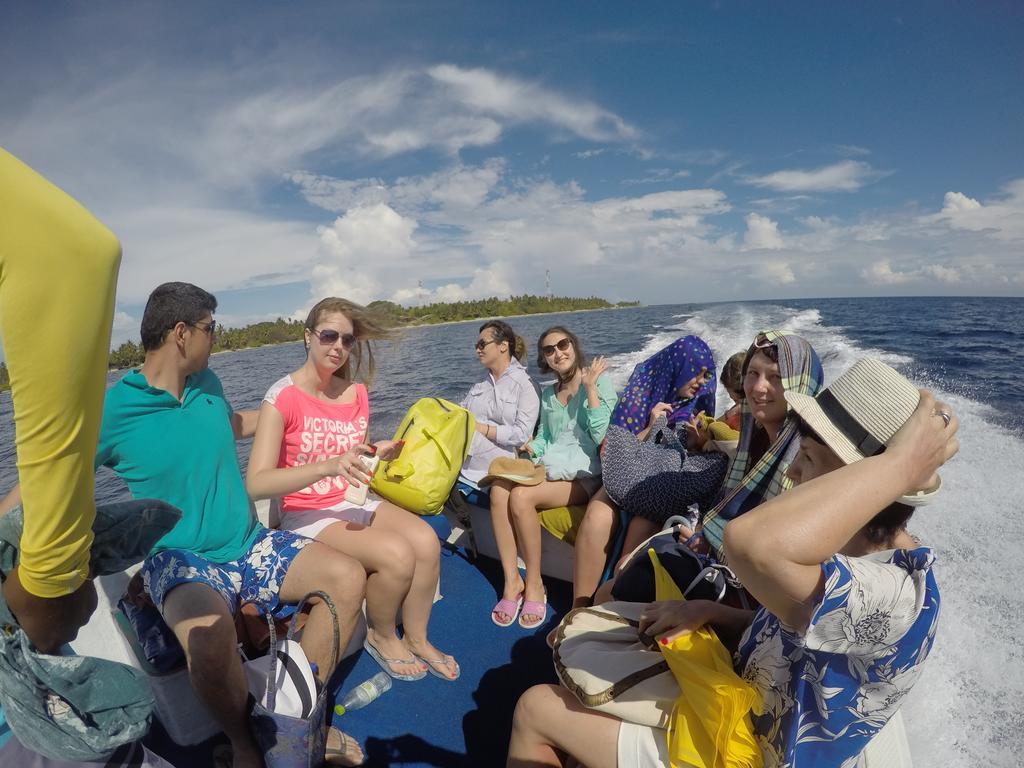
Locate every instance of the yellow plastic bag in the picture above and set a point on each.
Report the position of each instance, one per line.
(710, 725)
(437, 434)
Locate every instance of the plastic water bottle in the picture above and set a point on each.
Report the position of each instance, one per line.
(364, 693)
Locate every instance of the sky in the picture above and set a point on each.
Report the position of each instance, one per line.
(665, 152)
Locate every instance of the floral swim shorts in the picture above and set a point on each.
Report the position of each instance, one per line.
(256, 576)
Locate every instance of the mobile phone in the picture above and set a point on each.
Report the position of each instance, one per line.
(357, 495)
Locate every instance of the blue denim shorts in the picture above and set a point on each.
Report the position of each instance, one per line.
(256, 576)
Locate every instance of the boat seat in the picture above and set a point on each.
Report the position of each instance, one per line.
(109, 635)
(472, 530)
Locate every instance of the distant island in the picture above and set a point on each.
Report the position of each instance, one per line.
(281, 331)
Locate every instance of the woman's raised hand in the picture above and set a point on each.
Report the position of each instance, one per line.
(926, 441)
(591, 373)
(669, 619)
(698, 434)
(659, 409)
(349, 465)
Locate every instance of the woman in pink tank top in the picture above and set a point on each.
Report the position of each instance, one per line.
(309, 451)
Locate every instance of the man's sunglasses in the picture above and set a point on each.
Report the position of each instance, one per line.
(210, 328)
(330, 336)
(562, 345)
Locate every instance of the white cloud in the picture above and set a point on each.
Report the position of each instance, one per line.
(950, 275)
(845, 176)
(775, 273)
(957, 202)
(212, 247)
(762, 232)
(360, 250)
(1001, 218)
(500, 233)
(586, 154)
(124, 323)
(518, 101)
(882, 273)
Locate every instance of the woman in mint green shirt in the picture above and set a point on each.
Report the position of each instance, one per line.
(574, 414)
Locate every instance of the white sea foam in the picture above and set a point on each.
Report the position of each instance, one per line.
(968, 707)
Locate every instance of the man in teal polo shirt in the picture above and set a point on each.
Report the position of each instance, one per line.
(169, 433)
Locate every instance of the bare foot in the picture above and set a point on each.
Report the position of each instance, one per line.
(440, 662)
(342, 749)
(535, 594)
(513, 589)
(401, 662)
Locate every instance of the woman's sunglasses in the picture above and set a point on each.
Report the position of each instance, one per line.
(562, 345)
(330, 336)
(481, 344)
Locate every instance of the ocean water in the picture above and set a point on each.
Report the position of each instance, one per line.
(968, 708)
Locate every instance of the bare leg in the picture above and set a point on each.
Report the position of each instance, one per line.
(524, 502)
(549, 722)
(604, 592)
(201, 621)
(592, 544)
(505, 537)
(389, 562)
(637, 532)
(318, 566)
(425, 548)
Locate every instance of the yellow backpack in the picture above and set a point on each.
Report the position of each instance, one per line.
(437, 434)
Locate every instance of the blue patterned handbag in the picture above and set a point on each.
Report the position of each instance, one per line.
(292, 742)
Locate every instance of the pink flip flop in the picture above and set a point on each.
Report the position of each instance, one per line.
(509, 607)
(534, 608)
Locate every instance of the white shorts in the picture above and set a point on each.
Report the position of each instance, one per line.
(641, 746)
(311, 522)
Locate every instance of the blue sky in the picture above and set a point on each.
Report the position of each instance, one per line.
(275, 153)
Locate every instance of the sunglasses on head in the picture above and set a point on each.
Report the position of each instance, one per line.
(330, 336)
(562, 345)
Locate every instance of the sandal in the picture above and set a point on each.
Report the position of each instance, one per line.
(347, 753)
(534, 608)
(386, 663)
(434, 666)
(509, 607)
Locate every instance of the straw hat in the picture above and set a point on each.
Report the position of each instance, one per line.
(858, 414)
(519, 471)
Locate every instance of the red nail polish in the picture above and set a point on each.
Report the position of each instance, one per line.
(664, 641)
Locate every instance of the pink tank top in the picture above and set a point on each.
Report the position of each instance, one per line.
(316, 431)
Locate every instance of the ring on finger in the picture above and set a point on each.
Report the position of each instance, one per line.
(946, 416)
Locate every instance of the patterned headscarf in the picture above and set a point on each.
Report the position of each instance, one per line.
(658, 379)
(751, 483)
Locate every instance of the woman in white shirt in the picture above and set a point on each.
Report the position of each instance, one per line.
(505, 404)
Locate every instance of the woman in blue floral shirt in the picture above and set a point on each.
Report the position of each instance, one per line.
(850, 605)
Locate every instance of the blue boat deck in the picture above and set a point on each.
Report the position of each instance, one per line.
(432, 722)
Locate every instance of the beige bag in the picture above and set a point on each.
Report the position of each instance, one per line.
(603, 660)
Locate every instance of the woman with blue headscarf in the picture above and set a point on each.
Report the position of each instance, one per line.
(678, 381)
(670, 387)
